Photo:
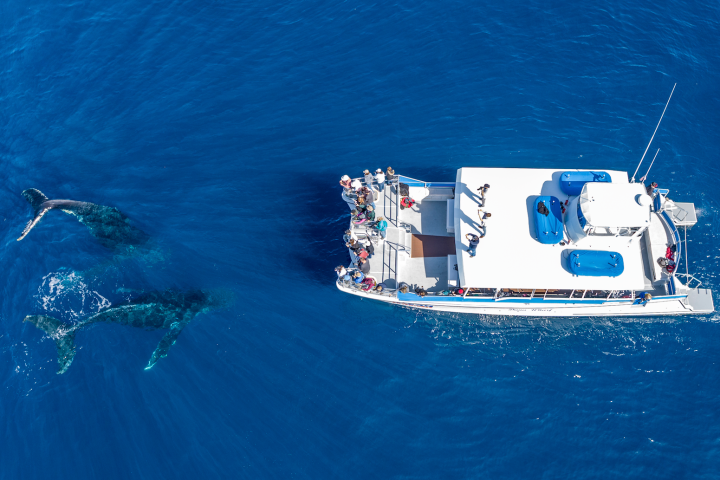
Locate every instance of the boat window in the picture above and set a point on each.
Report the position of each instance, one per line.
(558, 293)
(612, 231)
(597, 293)
(581, 217)
(481, 292)
(516, 292)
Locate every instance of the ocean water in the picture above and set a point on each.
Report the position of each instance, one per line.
(222, 128)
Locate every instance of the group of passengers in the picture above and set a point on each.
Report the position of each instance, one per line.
(380, 179)
(360, 278)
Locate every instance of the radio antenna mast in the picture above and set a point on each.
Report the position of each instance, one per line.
(642, 180)
(653, 135)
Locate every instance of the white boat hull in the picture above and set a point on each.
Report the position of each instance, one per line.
(514, 306)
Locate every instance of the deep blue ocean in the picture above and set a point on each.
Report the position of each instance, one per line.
(221, 129)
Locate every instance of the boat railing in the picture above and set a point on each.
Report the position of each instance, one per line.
(391, 202)
(412, 182)
(675, 237)
(360, 288)
(689, 279)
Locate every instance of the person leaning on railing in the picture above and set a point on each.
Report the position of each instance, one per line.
(390, 176)
(380, 179)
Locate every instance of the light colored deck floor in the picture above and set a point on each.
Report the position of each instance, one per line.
(428, 218)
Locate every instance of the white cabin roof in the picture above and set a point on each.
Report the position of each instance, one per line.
(615, 205)
(509, 256)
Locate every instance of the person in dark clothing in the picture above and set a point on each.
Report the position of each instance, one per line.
(483, 190)
(370, 214)
(364, 265)
(474, 241)
(542, 209)
(420, 291)
(370, 249)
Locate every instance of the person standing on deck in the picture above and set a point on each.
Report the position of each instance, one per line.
(370, 194)
(364, 266)
(345, 182)
(349, 235)
(474, 240)
(370, 215)
(360, 204)
(483, 190)
(380, 179)
(346, 198)
(368, 178)
(390, 176)
(370, 248)
(381, 227)
(483, 215)
(341, 271)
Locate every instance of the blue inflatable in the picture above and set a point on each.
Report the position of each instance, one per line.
(571, 183)
(594, 263)
(548, 228)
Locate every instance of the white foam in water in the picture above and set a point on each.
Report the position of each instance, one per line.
(66, 293)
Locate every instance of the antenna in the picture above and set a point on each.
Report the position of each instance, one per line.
(651, 164)
(653, 135)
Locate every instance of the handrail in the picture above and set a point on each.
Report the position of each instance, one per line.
(675, 237)
(690, 278)
(355, 286)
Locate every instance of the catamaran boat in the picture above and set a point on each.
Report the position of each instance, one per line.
(557, 243)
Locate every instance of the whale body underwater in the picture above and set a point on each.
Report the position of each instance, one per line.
(170, 310)
(109, 225)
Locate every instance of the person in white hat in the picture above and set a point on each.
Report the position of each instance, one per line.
(380, 179)
(345, 182)
(368, 178)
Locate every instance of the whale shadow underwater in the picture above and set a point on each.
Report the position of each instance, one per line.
(109, 225)
(170, 310)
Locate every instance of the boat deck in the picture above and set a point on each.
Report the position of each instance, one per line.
(426, 217)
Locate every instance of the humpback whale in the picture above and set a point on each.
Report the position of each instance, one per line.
(108, 224)
(170, 309)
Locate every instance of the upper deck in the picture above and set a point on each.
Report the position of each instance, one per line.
(509, 256)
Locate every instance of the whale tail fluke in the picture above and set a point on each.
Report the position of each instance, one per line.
(34, 197)
(62, 333)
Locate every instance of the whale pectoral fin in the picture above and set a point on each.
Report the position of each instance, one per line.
(167, 341)
(31, 224)
(61, 333)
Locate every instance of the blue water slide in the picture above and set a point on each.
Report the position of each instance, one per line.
(571, 183)
(596, 263)
(548, 228)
